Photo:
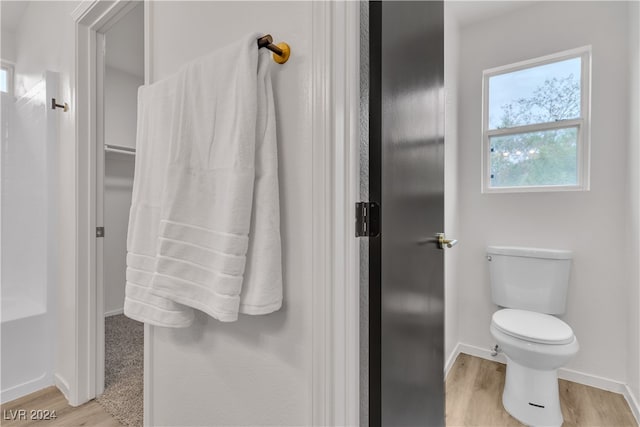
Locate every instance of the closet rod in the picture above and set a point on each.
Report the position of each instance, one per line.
(119, 149)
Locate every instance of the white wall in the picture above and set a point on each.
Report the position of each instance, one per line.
(592, 224)
(451, 196)
(121, 100)
(124, 74)
(8, 45)
(633, 165)
(45, 41)
(256, 371)
(121, 93)
(118, 188)
(125, 43)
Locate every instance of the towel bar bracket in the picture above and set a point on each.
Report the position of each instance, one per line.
(281, 51)
(54, 105)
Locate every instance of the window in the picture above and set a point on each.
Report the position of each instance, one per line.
(536, 124)
(6, 78)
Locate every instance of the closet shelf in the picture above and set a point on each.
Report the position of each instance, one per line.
(119, 149)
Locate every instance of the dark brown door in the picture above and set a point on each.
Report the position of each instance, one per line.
(406, 170)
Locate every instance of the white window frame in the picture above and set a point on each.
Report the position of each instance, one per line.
(582, 123)
(5, 65)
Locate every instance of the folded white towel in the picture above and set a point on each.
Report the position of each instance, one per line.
(155, 120)
(218, 246)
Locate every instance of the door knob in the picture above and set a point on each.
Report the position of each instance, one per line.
(443, 241)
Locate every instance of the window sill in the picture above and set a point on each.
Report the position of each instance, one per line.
(536, 189)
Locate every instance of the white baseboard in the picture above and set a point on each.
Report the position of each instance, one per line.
(591, 380)
(30, 386)
(62, 385)
(564, 373)
(484, 353)
(633, 402)
(448, 362)
(471, 350)
(451, 360)
(113, 312)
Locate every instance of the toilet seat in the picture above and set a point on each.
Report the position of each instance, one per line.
(531, 326)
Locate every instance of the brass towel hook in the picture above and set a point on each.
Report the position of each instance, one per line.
(54, 105)
(281, 51)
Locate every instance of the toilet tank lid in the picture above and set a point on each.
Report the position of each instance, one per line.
(530, 252)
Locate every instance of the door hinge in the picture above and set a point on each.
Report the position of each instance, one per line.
(99, 231)
(367, 219)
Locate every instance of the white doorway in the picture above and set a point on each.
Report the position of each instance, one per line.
(119, 340)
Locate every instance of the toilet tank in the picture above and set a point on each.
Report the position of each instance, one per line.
(529, 278)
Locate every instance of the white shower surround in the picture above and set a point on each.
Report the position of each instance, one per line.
(27, 234)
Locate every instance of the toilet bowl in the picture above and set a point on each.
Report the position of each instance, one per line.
(531, 283)
(539, 341)
(531, 386)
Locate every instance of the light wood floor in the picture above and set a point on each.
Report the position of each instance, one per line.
(474, 398)
(50, 399)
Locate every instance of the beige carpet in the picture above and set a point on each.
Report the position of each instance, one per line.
(124, 349)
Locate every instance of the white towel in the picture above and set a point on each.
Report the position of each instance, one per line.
(155, 112)
(218, 231)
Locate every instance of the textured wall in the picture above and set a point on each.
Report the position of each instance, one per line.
(258, 370)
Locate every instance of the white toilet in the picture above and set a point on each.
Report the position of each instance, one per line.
(531, 285)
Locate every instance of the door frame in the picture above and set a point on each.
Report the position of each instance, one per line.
(336, 189)
(93, 18)
(334, 376)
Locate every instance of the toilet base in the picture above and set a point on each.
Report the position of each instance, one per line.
(531, 395)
